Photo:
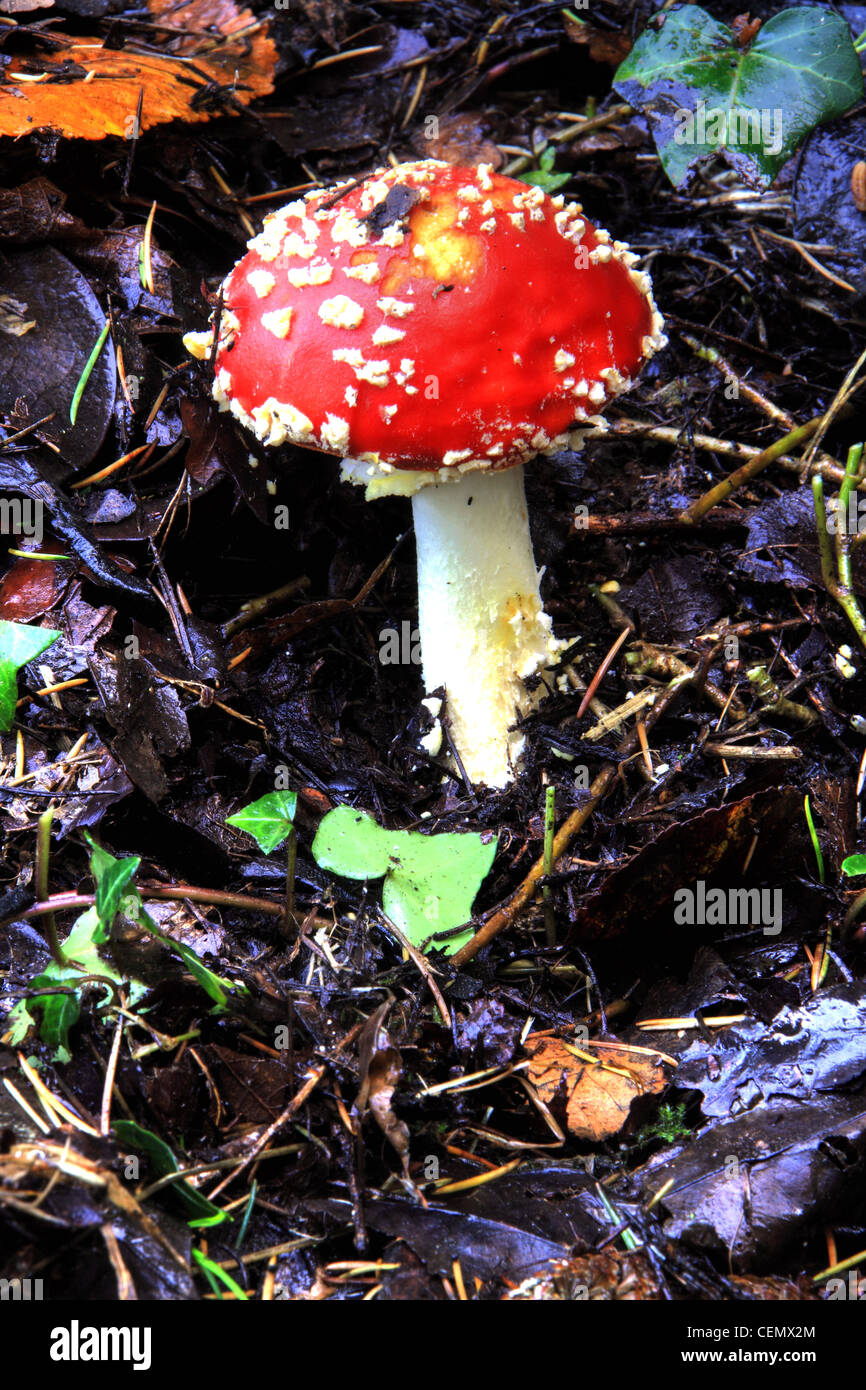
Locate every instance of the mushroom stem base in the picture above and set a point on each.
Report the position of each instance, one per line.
(483, 629)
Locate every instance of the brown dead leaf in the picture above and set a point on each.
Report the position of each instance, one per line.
(460, 138)
(598, 1080)
(380, 1067)
(88, 91)
(35, 211)
(604, 45)
(30, 588)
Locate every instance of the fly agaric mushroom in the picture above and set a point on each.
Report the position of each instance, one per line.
(437, 327)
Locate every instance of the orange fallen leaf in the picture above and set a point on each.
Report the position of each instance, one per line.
(599, 1081)
(207, 58)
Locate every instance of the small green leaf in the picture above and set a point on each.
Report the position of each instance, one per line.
(213, 985)
(112, 877)
(430, 880)
(854, 864)
(60, 1011)
(544, 176)
(163, 1162)
(216, 1275)
(703, 94)
(19, 644)
(88, 368)
(270, 820)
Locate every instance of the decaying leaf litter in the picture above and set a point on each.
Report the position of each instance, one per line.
(250, 1035)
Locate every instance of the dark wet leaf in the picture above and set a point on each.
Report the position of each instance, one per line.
(823, 202)
(147, 714)
(109, 507)
(43, 367)
(254, 1088)
(99, 787)
(819, 1045)
(713, 843)
(462, 137)
(488, 1033)
(410, 1281)
(602, 45)
(680, 596)
(155, 1274)
(115, 260)
(758, 1186)
(782, 544)
(710, 981)
(327, 17)
(19, 476)
(200, 423)
(486, 1249)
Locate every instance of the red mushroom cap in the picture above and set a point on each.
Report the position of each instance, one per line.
(428, 317)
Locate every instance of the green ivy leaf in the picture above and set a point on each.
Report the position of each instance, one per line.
(114, 890)
(19, 644)
(112, 878)
(270, 820)
(854, 864)
(54, 1014)
(430, 880)
(689, 75)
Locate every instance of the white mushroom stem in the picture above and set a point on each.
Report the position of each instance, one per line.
(483, 628)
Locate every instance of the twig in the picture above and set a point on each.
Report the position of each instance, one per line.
(214, 897)
(728, 448)
(715, 358)
(807, 257)
(43, 857)
(771, 698)
(789, 753)
(602, 670)
(841, 398)
(110, 1073)
(294, 1105)
(423, 965)
(647, 660)
(722, 491)
(838, 578)
(547, 861)
(258, 607)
